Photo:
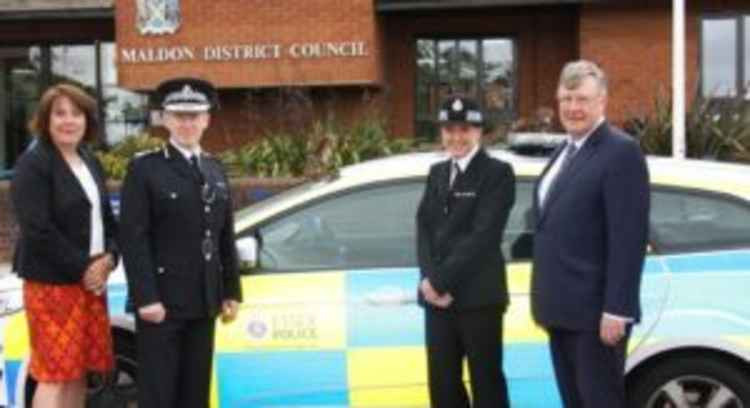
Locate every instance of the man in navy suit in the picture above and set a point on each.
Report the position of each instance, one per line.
(591, 205)
(460, 225)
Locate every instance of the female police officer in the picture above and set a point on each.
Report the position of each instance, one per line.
(179, 252)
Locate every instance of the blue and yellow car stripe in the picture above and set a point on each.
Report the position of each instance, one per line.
(354, 338)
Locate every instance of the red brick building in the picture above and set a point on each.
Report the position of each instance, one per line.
(285, 61)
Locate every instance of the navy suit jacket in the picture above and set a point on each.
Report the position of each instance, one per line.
(591, 234)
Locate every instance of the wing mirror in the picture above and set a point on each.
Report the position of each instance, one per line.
(247, 252)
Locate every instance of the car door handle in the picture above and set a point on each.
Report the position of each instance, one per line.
(390, 296)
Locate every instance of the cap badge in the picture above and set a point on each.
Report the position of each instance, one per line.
(186, 94)
(457, 105)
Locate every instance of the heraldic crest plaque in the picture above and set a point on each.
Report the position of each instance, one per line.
(158, 17)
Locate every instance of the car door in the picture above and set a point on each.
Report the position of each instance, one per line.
(334, 294)
(527, 362)
(702, 238)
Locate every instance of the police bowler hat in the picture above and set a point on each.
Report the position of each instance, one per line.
(460, 109)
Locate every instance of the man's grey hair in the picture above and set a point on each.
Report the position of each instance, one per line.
(573, 73)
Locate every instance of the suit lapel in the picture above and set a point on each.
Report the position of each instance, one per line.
(579, 161)
(67, 177)
(466, 180)
(550, 162)
(178, 163)
(443, 178)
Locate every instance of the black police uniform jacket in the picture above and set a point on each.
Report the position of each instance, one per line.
(165, 219)
(460, 228)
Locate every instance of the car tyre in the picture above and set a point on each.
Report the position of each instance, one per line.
(698, 381)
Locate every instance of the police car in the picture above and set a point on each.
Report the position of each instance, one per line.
(330, 316)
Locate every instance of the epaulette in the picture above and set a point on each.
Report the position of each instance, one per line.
(149, 152)
(209, 156)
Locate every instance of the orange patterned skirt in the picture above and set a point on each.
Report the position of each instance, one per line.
(69, 331)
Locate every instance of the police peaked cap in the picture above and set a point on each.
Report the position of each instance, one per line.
(460, 109)
(187, 95)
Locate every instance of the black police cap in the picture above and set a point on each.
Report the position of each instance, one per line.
(460, 109)
(187, 95)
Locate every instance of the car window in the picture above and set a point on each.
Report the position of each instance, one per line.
(519, 232)
(685, 220)
(370, 227)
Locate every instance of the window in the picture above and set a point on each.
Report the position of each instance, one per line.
(483, 68)
(725, 56)
(683, 220)
(125, 112)
(371, 227)
(25, 72)
(519, 232)
(334, 234)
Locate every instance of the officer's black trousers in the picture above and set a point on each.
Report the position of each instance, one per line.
(476, 335)
(174, 363)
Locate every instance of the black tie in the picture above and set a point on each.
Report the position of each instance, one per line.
(455, 171)
(197, 173)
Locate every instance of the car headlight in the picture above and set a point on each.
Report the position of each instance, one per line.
(11, 301)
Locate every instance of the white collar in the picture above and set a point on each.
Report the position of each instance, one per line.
(463, 162)
(187, 153)
(579, 143)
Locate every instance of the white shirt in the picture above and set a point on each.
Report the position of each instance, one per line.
(84, 177)
(463, 163)
(546, 182)
(187, 152)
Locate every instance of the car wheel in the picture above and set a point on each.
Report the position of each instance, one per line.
(117, 390)
(691, 382)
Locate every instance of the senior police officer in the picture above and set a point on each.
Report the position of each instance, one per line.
(179, 252)
(460, 223)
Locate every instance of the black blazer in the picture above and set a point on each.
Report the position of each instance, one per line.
(459, 231)
(164, 223)
(54, 215)
(591, 235)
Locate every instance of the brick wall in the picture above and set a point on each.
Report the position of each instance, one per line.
(245, 192)
(248, 115)
(231, 22)
(633, 43)
(8, 226)
(546, 37)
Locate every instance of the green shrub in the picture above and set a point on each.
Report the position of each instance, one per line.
(115, 161)
(276, 155)
(714, 129)
(323, 148)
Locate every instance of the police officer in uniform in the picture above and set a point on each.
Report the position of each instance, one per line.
(460, 224)
(179, 252)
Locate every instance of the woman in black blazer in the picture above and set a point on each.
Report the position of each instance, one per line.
(66, 249)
